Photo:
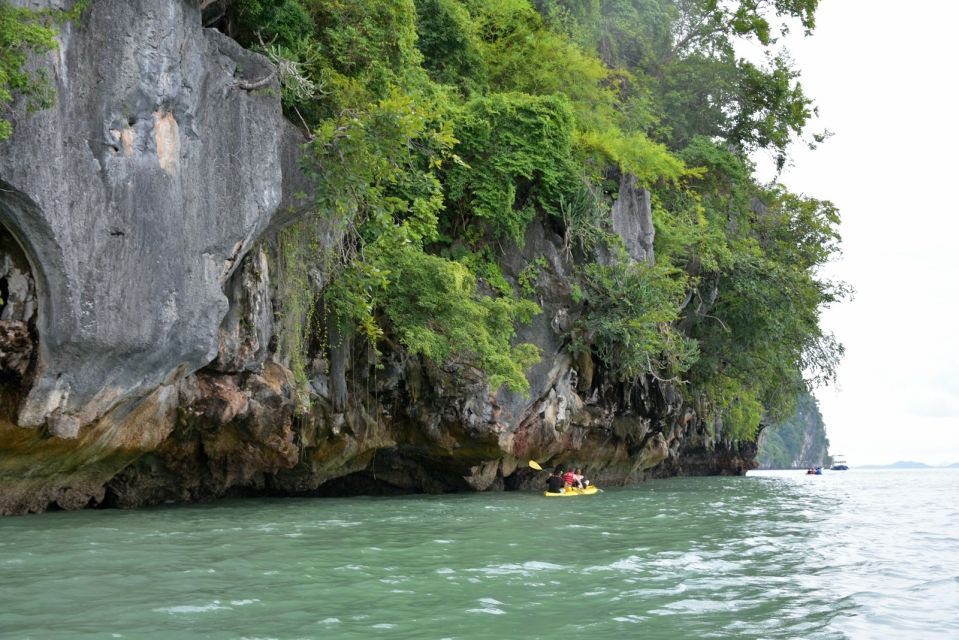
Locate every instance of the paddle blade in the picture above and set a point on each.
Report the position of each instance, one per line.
(535, 465)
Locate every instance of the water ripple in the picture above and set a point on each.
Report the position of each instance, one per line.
(856, 555)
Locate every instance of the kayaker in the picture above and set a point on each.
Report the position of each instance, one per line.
(578, 480)
(554, 483)
(568, 478)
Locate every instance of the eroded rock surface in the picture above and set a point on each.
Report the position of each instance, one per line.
(135, 198)
(632, 216)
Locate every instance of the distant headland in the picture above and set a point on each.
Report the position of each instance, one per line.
(909, 464)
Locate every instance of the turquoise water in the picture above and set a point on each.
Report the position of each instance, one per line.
(860, 554)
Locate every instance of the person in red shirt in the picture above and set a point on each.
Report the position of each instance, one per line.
(568, 478)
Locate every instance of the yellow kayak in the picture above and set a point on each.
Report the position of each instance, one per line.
(569, 493)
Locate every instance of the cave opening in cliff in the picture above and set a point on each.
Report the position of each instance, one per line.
(18, 299)
(18, 314)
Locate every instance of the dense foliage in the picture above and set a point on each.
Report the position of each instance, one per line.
(441, 129)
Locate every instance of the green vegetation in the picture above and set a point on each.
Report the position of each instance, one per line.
(24, 32)
(799, 442)
(628, 320)
(441, 129)
(516, 153)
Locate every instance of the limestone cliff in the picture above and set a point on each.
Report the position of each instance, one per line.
(132, 201)
(139, 359)
(798, 442)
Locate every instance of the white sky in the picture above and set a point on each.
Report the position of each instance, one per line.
(884, 76)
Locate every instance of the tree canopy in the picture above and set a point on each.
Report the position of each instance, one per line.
(440, 129)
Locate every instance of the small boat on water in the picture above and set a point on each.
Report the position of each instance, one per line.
(816, 471)
(839, 464)
(569, 493)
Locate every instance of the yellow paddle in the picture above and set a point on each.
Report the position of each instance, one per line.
(535, 465)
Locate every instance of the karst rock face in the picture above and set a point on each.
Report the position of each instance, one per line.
(138, 359)
(134, 198)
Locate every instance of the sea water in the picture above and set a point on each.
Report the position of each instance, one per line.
(857, 554)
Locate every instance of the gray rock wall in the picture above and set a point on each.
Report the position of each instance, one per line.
(632, 216)
(135, 198)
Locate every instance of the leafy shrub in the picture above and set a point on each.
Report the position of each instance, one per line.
(516, 160)
(23, 32)
(627, 319)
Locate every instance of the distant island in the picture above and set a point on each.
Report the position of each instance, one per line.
(907, 464)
